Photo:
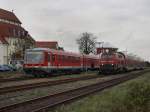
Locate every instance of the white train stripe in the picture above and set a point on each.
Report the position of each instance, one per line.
(60, 67)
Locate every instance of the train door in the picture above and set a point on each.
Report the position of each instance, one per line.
(92, 64)
(58, 59)
(53, 60)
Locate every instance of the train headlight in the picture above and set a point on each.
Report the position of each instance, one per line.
(102, 64)
(112, 64)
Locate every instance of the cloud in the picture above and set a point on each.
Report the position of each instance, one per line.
(124, 23)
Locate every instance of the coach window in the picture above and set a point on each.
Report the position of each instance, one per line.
(70, 59)
(59, 58)
(74, 59)
(63, 58)
(78, 59)
(66, 58)
(53, 57)
(48, 58)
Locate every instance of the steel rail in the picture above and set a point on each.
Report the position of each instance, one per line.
(2, 80)
(49, 101)
(43, 84)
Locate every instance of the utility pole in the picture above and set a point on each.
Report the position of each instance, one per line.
(99, 44)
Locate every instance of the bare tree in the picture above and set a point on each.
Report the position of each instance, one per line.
(87, 43)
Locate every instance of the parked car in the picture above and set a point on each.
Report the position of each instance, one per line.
(4, 68)
(10, 67)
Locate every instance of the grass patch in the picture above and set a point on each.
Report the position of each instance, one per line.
(10, 74)
(132, 96)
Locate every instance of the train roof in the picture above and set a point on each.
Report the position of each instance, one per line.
(59, 52)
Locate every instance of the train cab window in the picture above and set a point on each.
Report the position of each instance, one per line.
(120, 56)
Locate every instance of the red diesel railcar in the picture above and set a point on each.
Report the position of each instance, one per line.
(44, 61)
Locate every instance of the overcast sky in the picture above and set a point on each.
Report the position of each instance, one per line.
(123, 23)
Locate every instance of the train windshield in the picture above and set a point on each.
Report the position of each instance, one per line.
(34, 57)
(106, 56)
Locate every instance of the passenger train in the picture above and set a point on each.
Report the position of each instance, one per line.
(115, 62)
(45, 61)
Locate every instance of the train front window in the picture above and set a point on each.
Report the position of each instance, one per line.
(106, 56)
(34, 57)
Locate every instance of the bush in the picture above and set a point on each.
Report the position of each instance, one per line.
(132, 96)
(138, 97)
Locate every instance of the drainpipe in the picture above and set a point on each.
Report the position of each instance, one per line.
(7, 53)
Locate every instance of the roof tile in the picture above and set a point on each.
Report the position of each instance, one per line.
(4, 14)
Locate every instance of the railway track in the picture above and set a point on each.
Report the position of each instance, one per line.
(43, 84)
(46, 102)
(15, 79)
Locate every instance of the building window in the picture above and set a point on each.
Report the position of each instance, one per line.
(14, 32)
(19, 33)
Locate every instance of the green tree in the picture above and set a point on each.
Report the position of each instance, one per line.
(87, 43)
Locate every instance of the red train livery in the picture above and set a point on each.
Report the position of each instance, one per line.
(45, 61)
(114, 62)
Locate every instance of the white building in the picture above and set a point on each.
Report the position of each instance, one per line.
(14, 39)
(3, 53)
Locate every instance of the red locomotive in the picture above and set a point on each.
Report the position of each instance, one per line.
(44, 61)
(114, 62)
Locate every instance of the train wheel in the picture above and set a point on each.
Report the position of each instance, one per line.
(45, 74)
(42, 75)
(35, 75)
(125, 70)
